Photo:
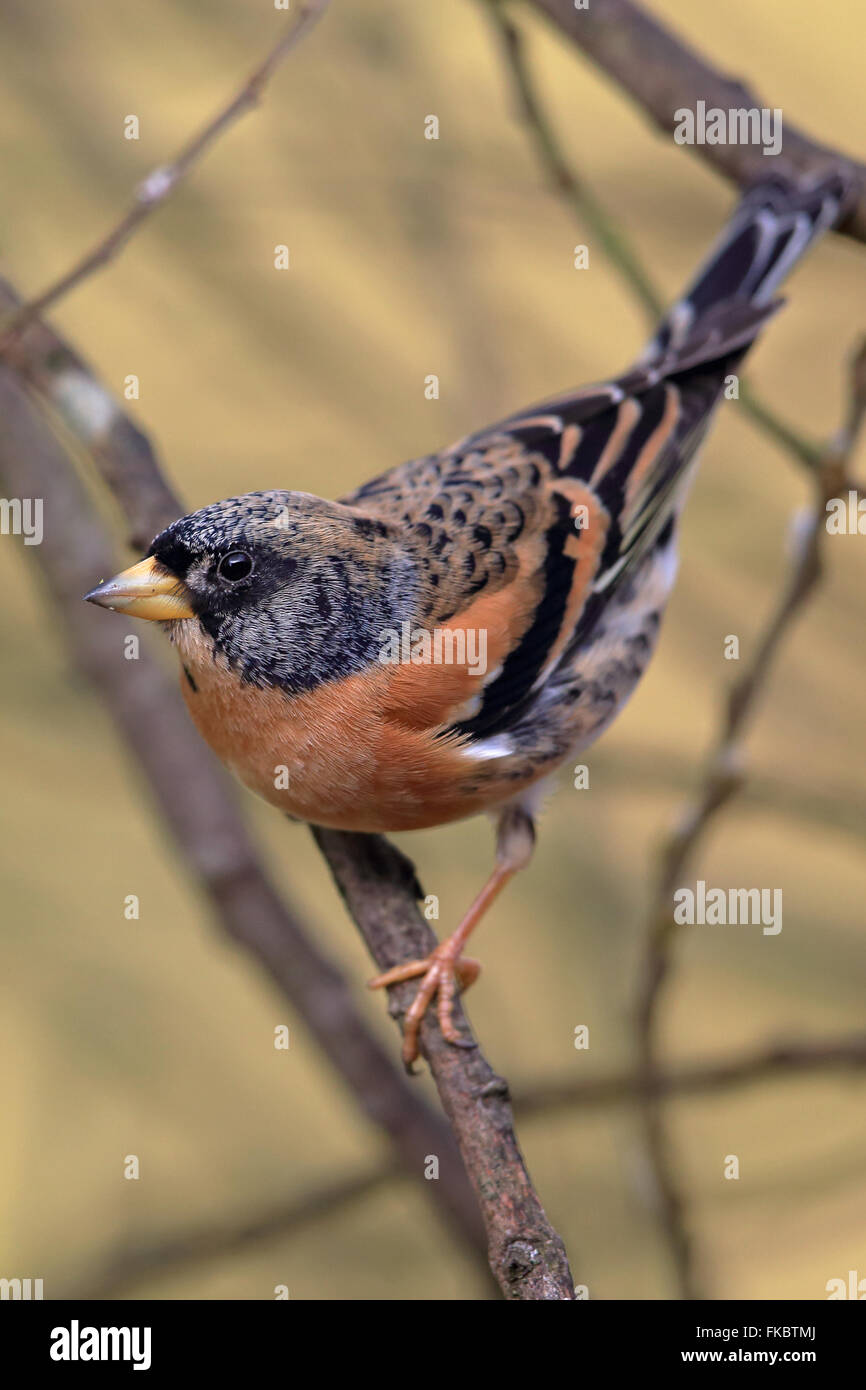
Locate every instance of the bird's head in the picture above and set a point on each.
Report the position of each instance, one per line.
(291, 590)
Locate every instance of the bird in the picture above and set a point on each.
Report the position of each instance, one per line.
(440, 642)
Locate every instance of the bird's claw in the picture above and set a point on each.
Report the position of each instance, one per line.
(442, 972)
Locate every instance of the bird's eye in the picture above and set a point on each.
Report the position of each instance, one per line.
(234, 566)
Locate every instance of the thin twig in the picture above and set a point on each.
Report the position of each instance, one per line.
(162, 181)
(198, 808)
(663, 76)
(563, 175)
(132, 1263)
(526, 1254)
(613, 241)
(696, 1079)
(379, 885)
(158, 1259)
(803, 450)
(724, 774)
(836, 806)
(723, 778)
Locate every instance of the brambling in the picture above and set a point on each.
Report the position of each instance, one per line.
(439, 642)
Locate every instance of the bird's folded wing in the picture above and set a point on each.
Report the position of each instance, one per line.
(526, 529)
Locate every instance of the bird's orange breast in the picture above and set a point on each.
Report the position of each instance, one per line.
(350, 754)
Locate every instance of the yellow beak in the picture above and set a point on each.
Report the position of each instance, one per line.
(146, 590)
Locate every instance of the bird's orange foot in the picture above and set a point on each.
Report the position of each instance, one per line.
(442, 972)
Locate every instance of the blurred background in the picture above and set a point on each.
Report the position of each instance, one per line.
(411, 257)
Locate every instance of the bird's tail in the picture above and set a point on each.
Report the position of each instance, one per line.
(734, 291)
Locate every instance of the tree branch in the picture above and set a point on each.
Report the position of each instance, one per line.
(663, 75)
(723, 778)
(377, 882)
(777, 1060)
(611, 238)
(162, 181)
(526, 1254)
(133, 1263)
(197, 806)
(379, 888)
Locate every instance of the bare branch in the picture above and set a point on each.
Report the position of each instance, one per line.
(663, 75)
(162, 181)
(777, 1060)
(563, 175)
(158, 1259)
(612, 239)
(132, 1264)
(198, 808)
(377, 882)
(724, 775)
(723, 778)
(526, 1255)
(619, 36)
